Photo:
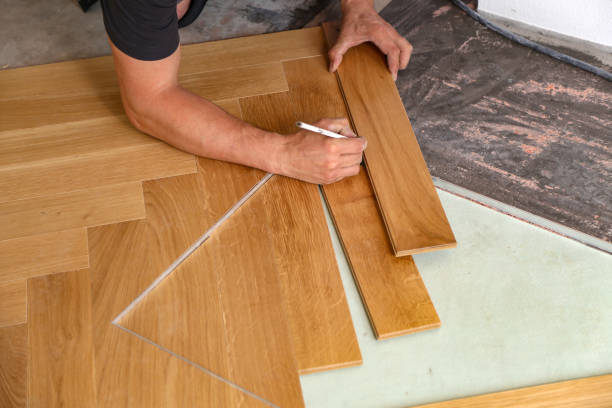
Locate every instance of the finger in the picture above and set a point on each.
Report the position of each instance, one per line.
(405, 52)
(350, 160)
(393, 62)
(348, 171)
(351, 145)
(336, 54)
(337, 125)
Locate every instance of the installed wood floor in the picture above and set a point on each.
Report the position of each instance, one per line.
(93, 212)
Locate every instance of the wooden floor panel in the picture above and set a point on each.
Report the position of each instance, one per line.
(590, 392)
(13, 366)
(406, 196)
(82, 208)
(321, 326)
(13, 303)
(392, 290)
(42, 254)
(60, 342)
(223, 309)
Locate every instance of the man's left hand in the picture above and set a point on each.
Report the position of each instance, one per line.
(361, 23)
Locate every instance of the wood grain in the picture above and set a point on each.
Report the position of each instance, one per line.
(222, 309)
(60, 343)
(321, 327)
(13, 303)
(96, 206)
(253, 50)
(42, 254)
(408, 201)
(173, 223)
(73, 156)
(13, 366)
(591, 392)
(391, 288)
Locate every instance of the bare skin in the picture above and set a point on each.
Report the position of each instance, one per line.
(157, 105)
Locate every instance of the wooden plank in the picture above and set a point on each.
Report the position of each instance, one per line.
(35, 107)
(133, 373)
(13, 303)
(236, 82)
(43, 254)
(591, 392)
(391, 288)
(222, 309)
(406, 196)
(74, 156)
(321, 327)
(252, 50)
(96, 206)
(60, 340)
(13, 366)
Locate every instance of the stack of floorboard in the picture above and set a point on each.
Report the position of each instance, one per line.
(92, 212)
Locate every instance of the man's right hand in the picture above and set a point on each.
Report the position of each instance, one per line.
(319, 159)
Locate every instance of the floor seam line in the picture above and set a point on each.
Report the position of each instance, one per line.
(194, 364)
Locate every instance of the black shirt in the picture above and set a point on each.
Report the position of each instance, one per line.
(146, 29)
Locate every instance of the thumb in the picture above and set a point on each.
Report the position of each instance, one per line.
(336, 54)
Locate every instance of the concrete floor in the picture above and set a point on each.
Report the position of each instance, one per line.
(519, 306)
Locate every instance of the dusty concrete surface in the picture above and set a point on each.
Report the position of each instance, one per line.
(505, 121)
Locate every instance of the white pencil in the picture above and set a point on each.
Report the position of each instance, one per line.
(316, 129)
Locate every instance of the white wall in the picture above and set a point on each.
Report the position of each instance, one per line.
(589, 20)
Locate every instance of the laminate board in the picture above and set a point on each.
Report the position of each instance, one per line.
(408, 202)
(42, 254)
(391, 288)
(13, 303)
(223, 310)
(100, 97)
(80, 155)
(13, 366)
(591, 392)
(321, 328)
(236, 82)
(96, 206)
(252, 50)
(60, 343)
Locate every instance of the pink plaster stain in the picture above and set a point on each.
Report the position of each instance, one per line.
(451, 85)
(531, 149)
(588, 94)
(441, 11)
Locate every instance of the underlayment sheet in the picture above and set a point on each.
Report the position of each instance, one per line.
(505, 121)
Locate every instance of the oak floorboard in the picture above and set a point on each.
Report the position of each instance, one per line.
(590, 392)
(80, 155)
(43, 254)
(13, 310)
(60, 343)
(82, 208)
(404, 190)
(13, 366)
(321, 327)
(391, 288)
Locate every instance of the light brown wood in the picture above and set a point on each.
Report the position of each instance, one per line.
(392, 290)
(13, 366)
(73, 156)
(134, 373)
(13, 303)
(60, 340)
(42, 254)
(222, 309)
(253, 50)
(82, 208)
(321, 327)
(591, 392)
(406, 196)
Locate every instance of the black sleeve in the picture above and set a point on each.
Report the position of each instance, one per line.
(143, 29)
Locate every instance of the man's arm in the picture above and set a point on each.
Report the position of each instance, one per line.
(361, 23)
(158, 106)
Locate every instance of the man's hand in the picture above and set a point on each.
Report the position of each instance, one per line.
(320, 159)
(361, 23)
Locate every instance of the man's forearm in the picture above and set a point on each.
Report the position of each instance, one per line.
(193, 124)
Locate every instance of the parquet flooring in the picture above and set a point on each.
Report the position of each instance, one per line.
(93, 212)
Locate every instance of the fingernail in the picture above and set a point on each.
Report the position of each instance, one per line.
(365, 145)
(395, 76)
